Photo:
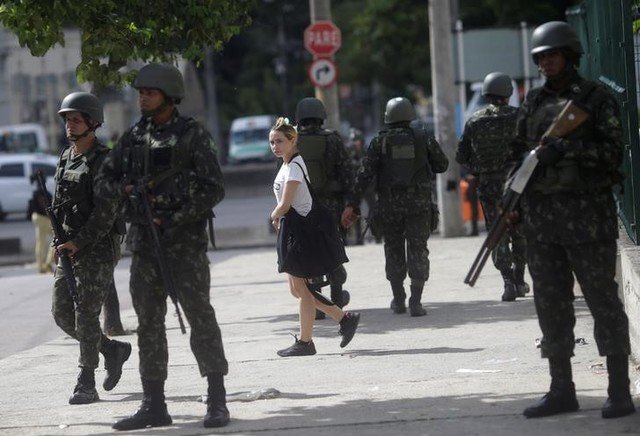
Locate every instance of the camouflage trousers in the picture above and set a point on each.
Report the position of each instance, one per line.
(94, 274)
(512, 249)
(412, 230)
(192, 278)
(552, 267)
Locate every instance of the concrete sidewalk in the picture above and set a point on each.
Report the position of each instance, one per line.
(468, 368)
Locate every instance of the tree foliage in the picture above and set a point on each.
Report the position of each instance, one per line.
(384, 40)
(116, 31)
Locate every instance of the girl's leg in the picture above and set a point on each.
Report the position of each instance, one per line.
(333, 311)
(307, 308)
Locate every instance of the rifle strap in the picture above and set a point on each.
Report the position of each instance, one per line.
(212, 235)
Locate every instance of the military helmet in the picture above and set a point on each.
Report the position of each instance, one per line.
(498, 84)
(83, 102)
(310, 107)
(399, 109)
(166, 78)
(554, 34)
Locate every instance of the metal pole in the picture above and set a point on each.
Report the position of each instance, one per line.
(462, 86)
(524, 35)
(444, 104)
(212, 99)
(321, 10)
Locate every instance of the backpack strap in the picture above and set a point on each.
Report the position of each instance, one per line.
(313, 194)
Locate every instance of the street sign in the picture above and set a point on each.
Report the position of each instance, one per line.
(322, 38)
(323, 73)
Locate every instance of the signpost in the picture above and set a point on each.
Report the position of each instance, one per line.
(322, 39)
(323, 73)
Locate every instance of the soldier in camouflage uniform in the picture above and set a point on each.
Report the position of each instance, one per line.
(330, 174)
(404, 159)
(93, 242)
(569, 220)
(173, 160)
(483, 149)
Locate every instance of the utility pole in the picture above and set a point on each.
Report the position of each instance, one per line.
(212, 100)
(444, 92)
(321, 11)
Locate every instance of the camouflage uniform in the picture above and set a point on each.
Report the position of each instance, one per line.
(369, 196)
(181, 159)
(88, 220)
(405, 195)
(569, 218)
(483, 149)
(330, 174)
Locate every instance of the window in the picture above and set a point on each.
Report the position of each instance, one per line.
(12, 170)
(47, 170)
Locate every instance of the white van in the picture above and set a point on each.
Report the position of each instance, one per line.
(23, 138)
(249, 139)
(16, 187)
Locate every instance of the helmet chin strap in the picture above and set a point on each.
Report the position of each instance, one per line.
(153, 112)
(74, 138)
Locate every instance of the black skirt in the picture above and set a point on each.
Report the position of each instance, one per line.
(310, 246)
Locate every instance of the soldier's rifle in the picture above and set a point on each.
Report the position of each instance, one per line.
(141, 191)
(59, 237)
(570, 118)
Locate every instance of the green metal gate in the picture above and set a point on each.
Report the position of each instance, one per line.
(605, 29)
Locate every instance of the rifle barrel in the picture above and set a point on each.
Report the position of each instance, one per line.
(59, 238)
(167, 276)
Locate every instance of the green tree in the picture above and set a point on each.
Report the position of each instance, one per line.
(116, 31)
(384, 40)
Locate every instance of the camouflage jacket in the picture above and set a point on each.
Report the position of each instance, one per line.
(485, 141)
(87, 215)
(338, 167)
(571, 201)
(592, 162)
(180, 159)
(417, 197)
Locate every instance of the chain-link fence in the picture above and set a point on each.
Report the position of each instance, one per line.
(605, 29)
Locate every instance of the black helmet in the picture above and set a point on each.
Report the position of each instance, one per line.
(310, 107)
(555, 34)
(166, 78)
(399, 109)
(83, 102)
(498, 84)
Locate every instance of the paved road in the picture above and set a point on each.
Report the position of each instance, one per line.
(250, 211)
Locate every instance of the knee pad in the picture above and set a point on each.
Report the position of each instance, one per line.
(338, 276)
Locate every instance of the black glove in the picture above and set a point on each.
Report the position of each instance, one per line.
(551, 151)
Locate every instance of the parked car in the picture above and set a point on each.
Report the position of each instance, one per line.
(16, 188)
(23, 138)
(249, 139)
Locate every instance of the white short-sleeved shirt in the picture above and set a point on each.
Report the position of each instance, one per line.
(290, 171)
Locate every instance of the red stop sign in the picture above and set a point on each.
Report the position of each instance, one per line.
(322, 38)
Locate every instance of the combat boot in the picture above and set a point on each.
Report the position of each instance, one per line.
(398, 304)
(115, 354)
(415, 306)
(152, 411)
(510, 292)
(522, 288)
(217, 412)
(561, 397)
(619, 402)
(85, 390)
